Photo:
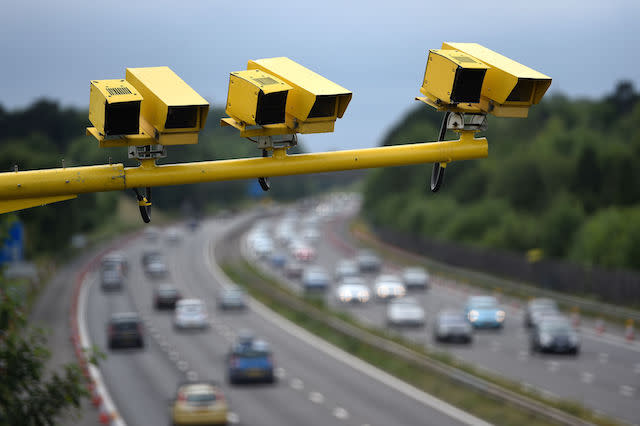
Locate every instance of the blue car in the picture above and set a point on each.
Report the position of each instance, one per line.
(250, 361)
(484, 312)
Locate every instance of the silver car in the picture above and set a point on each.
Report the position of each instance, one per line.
(405, 311)
(389, 287)
(353, 290)
(190, 313)
(452, 326)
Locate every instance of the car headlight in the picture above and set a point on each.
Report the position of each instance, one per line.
(399, 292)
(500, 315)
(473, 315)
(345, 296)
(545, 339)
(383, 291)
(363, 296)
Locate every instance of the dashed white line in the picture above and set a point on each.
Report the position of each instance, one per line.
(280, 373)
(192, 376)
(552, 366)
(316, 397)
(587, 377)
(233, 418)
(603, 357)
(182, 365)
(173, 356)
(296, 384)
(341, 413)
(523, 356)
(627, 391)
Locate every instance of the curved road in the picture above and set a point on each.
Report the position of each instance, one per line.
(317, 385)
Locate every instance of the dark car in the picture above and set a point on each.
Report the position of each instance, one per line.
(232, 298)
(554, 335)
(452, 326)
(154, 264)
(250, 361)
(293, 270)
(368, 261)
(124, 330)
(278, 260)
(166, 296)
(111, 278)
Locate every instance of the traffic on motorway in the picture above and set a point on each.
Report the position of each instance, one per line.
(185, 347)
(534, 343)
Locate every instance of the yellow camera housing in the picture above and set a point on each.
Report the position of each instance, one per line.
(314, 103)
(453, 77)
(256, 98)
(171, 111)
(509, 88)
(114, 108)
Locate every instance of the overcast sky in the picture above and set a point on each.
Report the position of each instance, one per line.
(377, 50)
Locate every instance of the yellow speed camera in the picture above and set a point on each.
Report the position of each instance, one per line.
(114, 108)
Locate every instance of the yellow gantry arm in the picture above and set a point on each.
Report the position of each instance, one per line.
(39, 187)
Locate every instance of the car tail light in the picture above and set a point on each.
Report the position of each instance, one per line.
(234, 361)
(182, 397)
(139, 327)
(220, 397)
(110, 330)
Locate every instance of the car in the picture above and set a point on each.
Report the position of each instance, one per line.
(415, 277)
(193, 224)
(157, 269)
(484, 312)
(111, 278)
(232, 298)
(190, 313)
(262, 247)
(405, 311)
(115, 259)
(124, 330)
(151, 234)
(166, 296)
(346, 268)
(278, 260)
(368, 261)
(554, 334)
(312, 235)
(452, 326)
(387, 287)
(293, 270)
(174, 236)
(537, 308)
(303, 252)
(353, 290)
(315, 278)
(199, 403)
(250, 361)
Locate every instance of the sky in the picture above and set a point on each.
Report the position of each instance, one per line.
(378, 50)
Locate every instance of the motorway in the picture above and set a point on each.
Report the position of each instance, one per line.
(605, 376)
(317, 383)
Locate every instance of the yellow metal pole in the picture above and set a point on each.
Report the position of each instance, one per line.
(78, 180)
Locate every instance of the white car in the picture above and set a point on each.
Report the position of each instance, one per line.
(405, 311)
(353, 290)
(190, 313)
(389, 287)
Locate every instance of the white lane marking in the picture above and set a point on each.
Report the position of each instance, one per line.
(316, 397)
(627, 391)
(552, 366)
(280, 373)
(296, 384)
(344, 357)
(233, 418)
(636, 368)
(341, 413)
(182, 365)
(173, 356)
(192, 376)
(603, 357)
(587, 377)
(523, 356)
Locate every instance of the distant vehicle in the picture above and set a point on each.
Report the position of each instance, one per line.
(293, 270)
(111, 278)
(232, 298)
(554, 335)
(173, 236)
(368, 261)
(452, 326)
(311, 235)
(415, 277)
(250, 362)
(193, 224)
(303, 252)
(278, 260)
(315, 278)
(199, 403)
(484, 312)
(262, 247)
(154, 264)
(151, 234)
(190, 313)
(405, 311)
(388, 287)
(115, 259)
(166, 296)
(346, 268)
(124, 330)
(353, 290)
(537, 308)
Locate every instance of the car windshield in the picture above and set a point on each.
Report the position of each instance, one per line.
(555, 328)
(201, 397)
(452, 319)
(125, 326)
(191, 308)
